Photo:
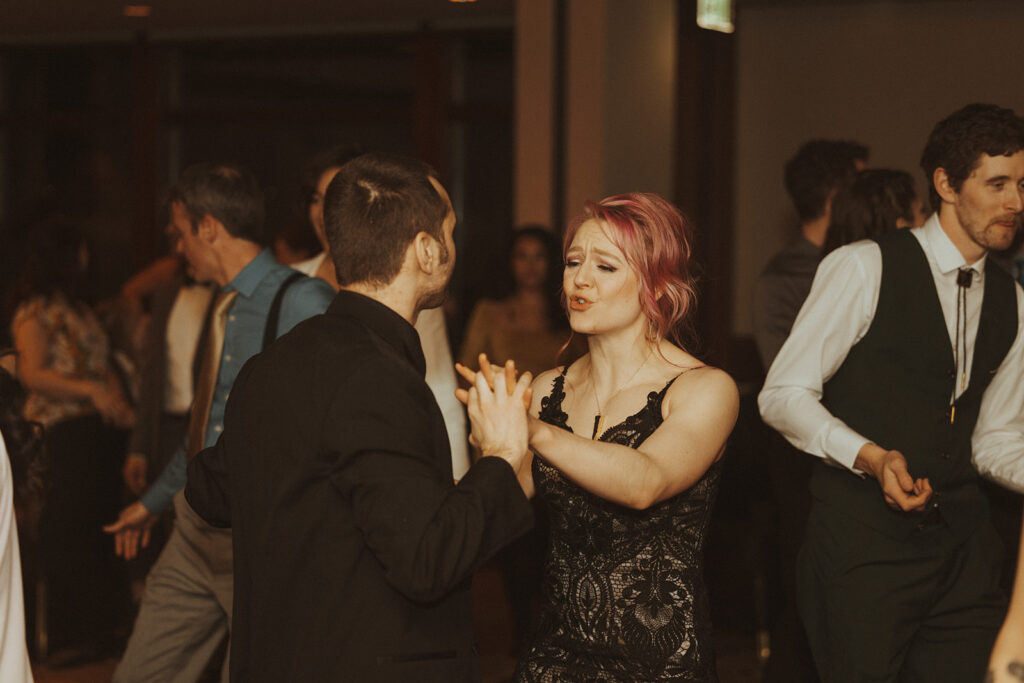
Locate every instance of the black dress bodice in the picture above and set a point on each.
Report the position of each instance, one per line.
(623, 597)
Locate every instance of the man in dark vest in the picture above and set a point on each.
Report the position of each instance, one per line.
(903, 374)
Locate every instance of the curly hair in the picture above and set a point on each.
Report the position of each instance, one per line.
(958, 141)
(656, 240)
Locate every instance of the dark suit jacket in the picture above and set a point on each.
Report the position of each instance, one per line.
(353, 547)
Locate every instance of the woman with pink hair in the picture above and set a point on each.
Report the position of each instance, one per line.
(627, 442)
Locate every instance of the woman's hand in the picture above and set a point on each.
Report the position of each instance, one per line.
(489, 372)
(112, 406)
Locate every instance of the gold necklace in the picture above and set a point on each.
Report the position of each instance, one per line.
(599, 418)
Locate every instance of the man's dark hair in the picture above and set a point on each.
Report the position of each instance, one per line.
(958, 141)
(374, 208)
(817, 169)
(869, 206)
(227, 192)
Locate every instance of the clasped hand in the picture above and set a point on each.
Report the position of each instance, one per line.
(900, 490)
(497, 402)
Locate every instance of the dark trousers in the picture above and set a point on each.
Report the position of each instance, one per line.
(915, 610)
(86, 590)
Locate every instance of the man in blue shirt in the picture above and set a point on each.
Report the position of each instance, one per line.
(217, 223)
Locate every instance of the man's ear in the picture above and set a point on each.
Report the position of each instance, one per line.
(209, 228)
(942, 185)
(427, 252)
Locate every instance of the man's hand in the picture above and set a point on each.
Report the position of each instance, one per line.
(498, 418)
(131, 530)
(134, 473)
(889, 468)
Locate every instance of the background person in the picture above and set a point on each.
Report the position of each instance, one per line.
(876, 201)
(908, 397)
(20, 450)
(64, 363)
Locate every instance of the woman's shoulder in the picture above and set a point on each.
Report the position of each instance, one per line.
(703, 384)
(35, 307)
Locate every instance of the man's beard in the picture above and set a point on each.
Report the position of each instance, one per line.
(434, 298)
(994, 240)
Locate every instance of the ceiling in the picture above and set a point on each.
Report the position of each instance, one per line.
(44, 21)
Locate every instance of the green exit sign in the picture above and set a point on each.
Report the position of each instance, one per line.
(715, 15)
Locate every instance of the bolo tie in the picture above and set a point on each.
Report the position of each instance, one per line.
(963, 282)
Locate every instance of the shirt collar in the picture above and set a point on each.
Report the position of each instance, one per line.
(391, 327)
(249, 278)
(947, 257)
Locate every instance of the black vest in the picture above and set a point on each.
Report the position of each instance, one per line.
(895, 386)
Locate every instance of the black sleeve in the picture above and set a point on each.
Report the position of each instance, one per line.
(428, 533)
(208, 486)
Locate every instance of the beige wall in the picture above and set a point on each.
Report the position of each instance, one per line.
(620, 102)
(883, 74)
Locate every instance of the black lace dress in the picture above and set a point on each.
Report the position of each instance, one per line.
(623, 596)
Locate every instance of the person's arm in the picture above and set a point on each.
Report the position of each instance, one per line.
(699, 412)
(208, 490)
(835, 316)
(427, 533)
(440, 378)
(1006, 663)
(105, 395)
(131, 530)
(998, 439)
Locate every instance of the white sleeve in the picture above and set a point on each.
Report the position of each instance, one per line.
(440, 378)
(998, 439)
(14, 664)
(836, 315)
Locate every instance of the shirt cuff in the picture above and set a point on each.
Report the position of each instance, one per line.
(842, 446)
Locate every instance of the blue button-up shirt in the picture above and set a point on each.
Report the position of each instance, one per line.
(257, 284)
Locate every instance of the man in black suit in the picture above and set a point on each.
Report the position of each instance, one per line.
(353, 546)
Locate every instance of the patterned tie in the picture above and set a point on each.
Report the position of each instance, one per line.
(199, 416)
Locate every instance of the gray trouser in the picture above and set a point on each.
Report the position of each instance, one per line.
(186, 609)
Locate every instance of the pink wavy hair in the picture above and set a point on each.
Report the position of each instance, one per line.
(655, 238)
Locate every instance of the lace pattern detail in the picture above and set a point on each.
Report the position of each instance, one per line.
(623, 596)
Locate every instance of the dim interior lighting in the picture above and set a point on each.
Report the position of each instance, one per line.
(461, 0)
(715, 15)
(137, 10)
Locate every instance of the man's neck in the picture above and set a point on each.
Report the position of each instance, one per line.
(950, 224)
(814, 230)
(394, 296)
(234, 258)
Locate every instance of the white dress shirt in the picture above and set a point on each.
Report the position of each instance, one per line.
(440, 371)
(837, 315)
(184, 325)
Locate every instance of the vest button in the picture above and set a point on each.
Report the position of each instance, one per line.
(945, 456)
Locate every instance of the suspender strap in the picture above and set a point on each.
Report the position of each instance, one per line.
(270, 330)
